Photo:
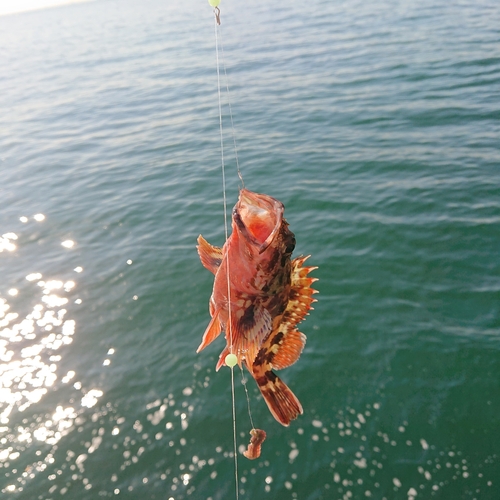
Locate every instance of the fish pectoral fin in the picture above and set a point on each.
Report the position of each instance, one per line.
(211, 333)
(251, 327)
(210, 256)
(254, 325)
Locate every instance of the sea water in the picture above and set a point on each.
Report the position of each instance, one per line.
(377, 123)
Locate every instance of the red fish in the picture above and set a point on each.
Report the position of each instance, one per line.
(269, 294)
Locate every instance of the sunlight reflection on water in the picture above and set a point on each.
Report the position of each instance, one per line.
(32, 349)
(29, 346)
(6, 242)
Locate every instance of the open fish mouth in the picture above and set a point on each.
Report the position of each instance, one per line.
(258, 217)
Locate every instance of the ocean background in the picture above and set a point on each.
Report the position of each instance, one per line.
(376, 123)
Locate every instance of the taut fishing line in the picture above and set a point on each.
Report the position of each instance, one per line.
(235, 451)
(231, 359)
(217, 38)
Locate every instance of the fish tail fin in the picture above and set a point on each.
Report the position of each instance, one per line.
(282, 402)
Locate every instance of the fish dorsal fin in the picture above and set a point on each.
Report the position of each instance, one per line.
(289, 349)
(211, 333)
(210, 256)
(300, 298)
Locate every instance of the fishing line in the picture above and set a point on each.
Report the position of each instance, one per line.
(219, 41)
(235, 451)
(230, 112)
(244, 382)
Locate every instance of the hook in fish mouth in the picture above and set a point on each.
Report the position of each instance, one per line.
(258, 217)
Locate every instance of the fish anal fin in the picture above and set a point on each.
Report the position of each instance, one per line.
(210, 256)
(288, 350)
(211, 333)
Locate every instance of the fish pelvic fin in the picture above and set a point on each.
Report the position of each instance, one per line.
(222, 358)
(281, 401)
(210, 256)
(211, 333)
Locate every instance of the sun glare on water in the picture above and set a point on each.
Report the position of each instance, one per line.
(15, 6)
(36, 330)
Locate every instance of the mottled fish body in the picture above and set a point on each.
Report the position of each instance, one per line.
(269, 294)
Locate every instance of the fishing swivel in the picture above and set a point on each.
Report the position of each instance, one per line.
(215, 5)
(217, 15)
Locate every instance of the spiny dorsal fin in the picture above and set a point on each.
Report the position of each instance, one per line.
(210, 256)
(300, 298)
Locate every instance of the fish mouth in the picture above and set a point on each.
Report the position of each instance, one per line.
(258, 217)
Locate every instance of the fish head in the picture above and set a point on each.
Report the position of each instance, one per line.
(257, 218)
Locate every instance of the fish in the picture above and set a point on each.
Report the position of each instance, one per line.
(257, 437)
(259, 297)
